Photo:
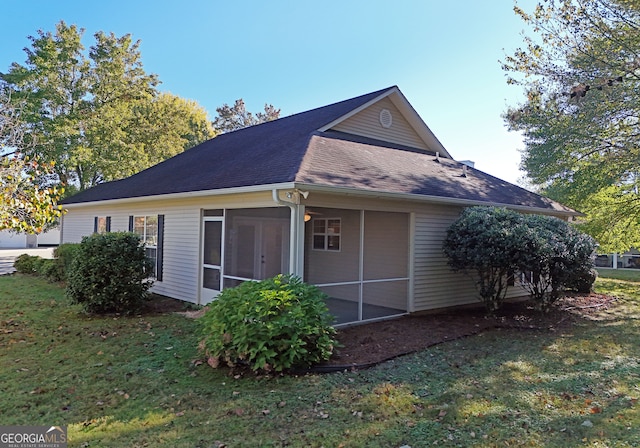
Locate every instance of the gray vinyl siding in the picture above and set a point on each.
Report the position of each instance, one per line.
(78, 223)
(367, 124)
(182, 222)
(432, 284)
(181, 252)
(435, 285)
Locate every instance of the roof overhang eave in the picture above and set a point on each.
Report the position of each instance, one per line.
(348, 191)
(186, 195)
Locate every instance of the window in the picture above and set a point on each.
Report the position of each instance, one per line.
(326, 234)
(102, 224)
(150, 229)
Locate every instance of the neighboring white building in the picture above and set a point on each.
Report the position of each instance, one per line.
(13, 240)
(626, 260)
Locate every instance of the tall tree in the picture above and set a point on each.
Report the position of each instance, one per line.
(167, 125)
(84, 111)
(232, 118)
(581, 72)
(25, 206)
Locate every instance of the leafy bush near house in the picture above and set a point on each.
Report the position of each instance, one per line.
(109, 273)
(484, 242)
(491, 244)
(64, 255)
(54, 270)
(48, 268)
(555, 257)
(271, 325)
(24, 264)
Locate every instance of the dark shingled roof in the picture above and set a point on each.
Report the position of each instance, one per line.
(291, 149)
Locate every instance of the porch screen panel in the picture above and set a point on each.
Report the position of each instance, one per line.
(386, 245)
(256, 244)
(212, 254)
(212, 242)
(385, 264)
(381, 299)
(326, 265)
(343, 302)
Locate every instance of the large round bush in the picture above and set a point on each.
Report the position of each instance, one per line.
(109, 273)
(271, 325)
(494, 245)
(483, 243)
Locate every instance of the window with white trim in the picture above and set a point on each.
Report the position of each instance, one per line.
(147, 228)
(326, 234)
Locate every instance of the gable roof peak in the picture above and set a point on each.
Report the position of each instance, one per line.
(409, 114)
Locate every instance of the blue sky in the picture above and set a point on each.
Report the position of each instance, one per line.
(298, 54)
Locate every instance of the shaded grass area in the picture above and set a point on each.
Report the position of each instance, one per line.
(138, 381)
(630, 275)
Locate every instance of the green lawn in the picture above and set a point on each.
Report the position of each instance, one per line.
(134, 381)
(631, 275)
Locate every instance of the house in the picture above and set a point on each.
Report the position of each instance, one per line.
(354, 197)
(21, 240)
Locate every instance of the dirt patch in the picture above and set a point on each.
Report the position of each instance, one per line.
(162, 305)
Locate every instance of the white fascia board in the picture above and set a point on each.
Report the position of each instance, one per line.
(345, 191)
(187, 194)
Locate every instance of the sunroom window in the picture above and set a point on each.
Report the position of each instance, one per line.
(326, 234)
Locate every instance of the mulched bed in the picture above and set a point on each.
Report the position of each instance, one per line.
(369, 344)
(365, 345)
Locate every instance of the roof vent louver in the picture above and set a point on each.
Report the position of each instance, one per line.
(386, 119)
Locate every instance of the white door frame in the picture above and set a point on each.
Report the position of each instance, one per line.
(206, 294)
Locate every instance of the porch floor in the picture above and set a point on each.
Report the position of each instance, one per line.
(346, 311)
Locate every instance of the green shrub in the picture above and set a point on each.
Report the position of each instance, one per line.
(64, 255)
(109, 273)
(24, 264)
(37, 265)
(271, 325)
(483, 243)
(556, 257)
(582, 281)
(49, 269)
(492, 243)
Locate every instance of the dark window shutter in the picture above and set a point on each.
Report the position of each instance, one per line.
(95, 224)
(130, 223)
(108, 223)
(160, 249)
